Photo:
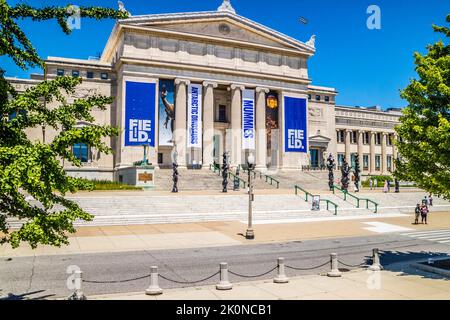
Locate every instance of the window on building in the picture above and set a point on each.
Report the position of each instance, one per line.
(389, 139)
(354, 137)
(90, 75)
(378, 138)
(75, 73)
(327, 99)
(81, 151)
(104, 76)
(389, 163)
(317, 98)
(60, 72)
(340, 159)
(378, 162)
(366, 138)
(340, 136)
(222, 113)
(309, 97)
(353, 159)
(160, 158)
(365, 162)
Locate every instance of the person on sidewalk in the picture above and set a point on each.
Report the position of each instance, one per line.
(385, 188)
(424, 213)
(417, 213)
(375, 184)
(430, 200)
(371, 184)
(389, 185)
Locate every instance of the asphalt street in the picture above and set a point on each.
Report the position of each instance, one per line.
(46, 277)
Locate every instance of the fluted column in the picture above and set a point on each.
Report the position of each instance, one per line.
(208, 122)
(261, 134)
(360, 149)
(236, 124)
(372, 152)
(383, 153)
(180, 119)
(394, 151)
(347, 146)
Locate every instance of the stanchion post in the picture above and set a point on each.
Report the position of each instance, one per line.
(224, 283)
(153, 289)
(334, 266)
(376, 265)
(78, 293)
(281, 273)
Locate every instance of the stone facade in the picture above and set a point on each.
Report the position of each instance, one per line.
(225, 53)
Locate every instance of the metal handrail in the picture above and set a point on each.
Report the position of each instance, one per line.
(231, 174)
(307, 193)
(328, 205)
(214, 168)
(347, 193)
(272, 179)
(304, 191)
(375, 205)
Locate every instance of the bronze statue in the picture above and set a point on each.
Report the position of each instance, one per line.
(330, 166)
(357, 173)
(345, 174)
(225, 168)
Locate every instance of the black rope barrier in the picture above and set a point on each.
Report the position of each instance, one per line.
(309, 268)
(352, 265)
(255, 276)
(119, 281)
(188, 282)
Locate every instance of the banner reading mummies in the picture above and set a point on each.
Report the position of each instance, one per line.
(248, 119)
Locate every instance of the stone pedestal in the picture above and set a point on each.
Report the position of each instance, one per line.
(138, 176)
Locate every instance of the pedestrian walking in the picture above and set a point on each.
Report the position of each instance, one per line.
(389, 185)
(424, 213)
(371, 184)
(417, 214)
(375, 184)
(425, 201)
(430, 200)
(385, 188)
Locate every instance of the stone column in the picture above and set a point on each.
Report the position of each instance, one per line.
(383, 153)
(372, 152)
(360, 149)
(180, 119)
(236, 124)
(261, 134)
(347, 146)
(394, 151)
(208, 122)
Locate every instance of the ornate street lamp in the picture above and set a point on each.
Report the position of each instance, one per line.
(250, 235)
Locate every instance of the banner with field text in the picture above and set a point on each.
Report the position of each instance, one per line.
(140, 104)
(248, 119)
(295, 125)
(194, 116)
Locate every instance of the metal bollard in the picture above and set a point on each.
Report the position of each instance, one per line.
(224, 283)
(78, 293)
(376, 265)
(281, 273)
(153, 289)
(334, 266)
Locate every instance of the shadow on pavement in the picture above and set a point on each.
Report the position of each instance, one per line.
(397, 261)
(25, 296)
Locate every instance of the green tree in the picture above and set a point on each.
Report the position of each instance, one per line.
(30, 169)
(424, 132)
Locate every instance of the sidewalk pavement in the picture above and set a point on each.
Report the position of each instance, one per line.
(354, 285)
(229, 233)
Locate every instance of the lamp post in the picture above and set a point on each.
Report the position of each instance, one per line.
(250, 235)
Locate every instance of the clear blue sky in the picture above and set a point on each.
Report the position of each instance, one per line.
(367, 67)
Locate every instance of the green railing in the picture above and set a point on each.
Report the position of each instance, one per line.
(328, 205)
(269, 178)
(347, 194)
(306, 193)
(232, 175)
(214, 168)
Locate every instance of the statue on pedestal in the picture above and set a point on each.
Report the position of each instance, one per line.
(330, 167)
(345, 175)
(175, 172)
(225, 168)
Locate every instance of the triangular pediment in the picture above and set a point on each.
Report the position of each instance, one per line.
(319, 138)
(220, 25)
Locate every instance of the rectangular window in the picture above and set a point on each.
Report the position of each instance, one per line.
(341, 158)
(104, 76)
(160, 158)
(353, 159)
(90, 75)
(317, 98)
(60, 72)
(354, 137)
(378, 162)
(389, 139)
(366, 138)
(309, 97)
(366, 162)
(327, 99)
(75, 73)
(222, 113)
(81, 151)
(378, 138)
(340, 136)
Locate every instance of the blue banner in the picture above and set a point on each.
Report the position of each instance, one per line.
(248, 119)
(140, 113)
(295, 125)
(194, 116)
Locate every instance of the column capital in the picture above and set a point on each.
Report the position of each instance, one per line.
(385, 134)
(179, 81)
(262, 89)
(237, 86)
(210, 83)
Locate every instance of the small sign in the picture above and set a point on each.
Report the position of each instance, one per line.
(316, 203)
(145, 177)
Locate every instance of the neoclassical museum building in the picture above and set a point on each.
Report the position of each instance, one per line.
(210, 82)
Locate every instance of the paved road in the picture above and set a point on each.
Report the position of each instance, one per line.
(45, 276)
